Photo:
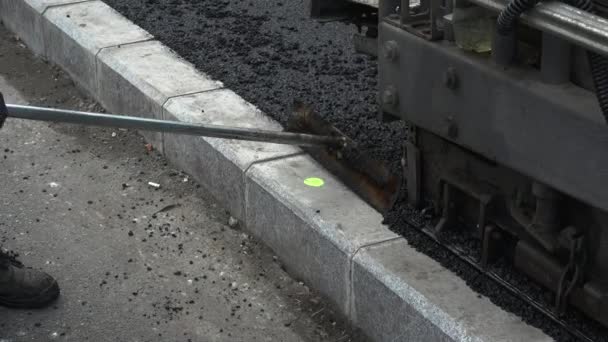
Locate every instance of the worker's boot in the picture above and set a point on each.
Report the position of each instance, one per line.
(26, 288)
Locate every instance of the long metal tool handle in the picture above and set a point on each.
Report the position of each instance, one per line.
(212, 131)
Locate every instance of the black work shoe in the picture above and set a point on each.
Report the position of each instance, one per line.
(25, 288)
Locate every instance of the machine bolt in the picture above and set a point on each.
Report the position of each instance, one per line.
(391, 50)
(450, 79)
(390, 96)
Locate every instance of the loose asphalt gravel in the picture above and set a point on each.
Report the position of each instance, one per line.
(271, 54)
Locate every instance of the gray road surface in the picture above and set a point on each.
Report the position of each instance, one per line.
(135, 263)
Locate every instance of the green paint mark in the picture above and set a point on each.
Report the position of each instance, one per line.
(314, 182)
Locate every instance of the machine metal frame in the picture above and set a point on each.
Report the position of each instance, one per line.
(493, 138)
(510, 142)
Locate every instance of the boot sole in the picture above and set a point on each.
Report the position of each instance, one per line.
(43, 299)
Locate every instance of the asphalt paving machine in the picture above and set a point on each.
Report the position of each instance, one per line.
(507, 105)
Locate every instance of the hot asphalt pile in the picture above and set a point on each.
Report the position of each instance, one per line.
(270, 53)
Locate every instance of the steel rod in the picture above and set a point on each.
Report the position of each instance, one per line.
(212, 131)
(581, 28)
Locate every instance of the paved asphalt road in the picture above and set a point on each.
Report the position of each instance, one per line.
(135, 263)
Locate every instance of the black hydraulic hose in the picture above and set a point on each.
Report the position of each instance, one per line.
(508, 17)
(597, 62)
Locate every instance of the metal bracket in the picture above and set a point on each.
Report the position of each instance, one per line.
(414, 167)
(414, 174)
(365, 44)
(572, 275)
(491, 243)
(423, 19)
(482, 193)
